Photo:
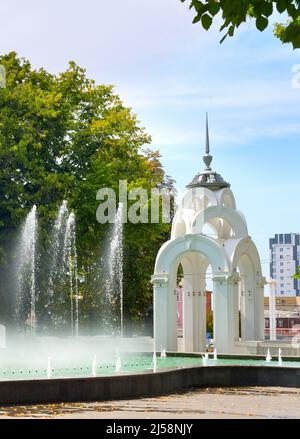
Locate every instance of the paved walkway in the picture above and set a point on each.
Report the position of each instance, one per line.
(204, 403)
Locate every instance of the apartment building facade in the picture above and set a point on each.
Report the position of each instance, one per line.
(285, 258)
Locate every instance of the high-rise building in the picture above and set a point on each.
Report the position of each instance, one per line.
(285, 258)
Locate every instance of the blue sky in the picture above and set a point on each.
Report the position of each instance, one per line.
(171, 72)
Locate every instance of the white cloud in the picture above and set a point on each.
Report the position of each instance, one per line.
(246, 93)
(102, 35)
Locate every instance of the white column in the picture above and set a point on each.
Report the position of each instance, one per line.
(188, 314)
(272, 309)
(196, 321)
(259, 317)
(234, 305)
(172, 342)
(202, 321)
(160, 315)
(247, 307)
(194, 315)
(224, 318)
(200, 314)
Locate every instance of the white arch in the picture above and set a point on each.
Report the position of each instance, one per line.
(172, 251)
(231, 216)
(192, 249)
(194, 267)
(245, 258)
(181, 224)
(225, 197)
(198, 193)
(246, 247)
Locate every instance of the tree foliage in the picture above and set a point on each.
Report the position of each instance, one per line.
(297, 275)
(210, 323)
(64, 137)
(236, 12)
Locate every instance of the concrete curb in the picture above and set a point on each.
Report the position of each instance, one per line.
(147, 384)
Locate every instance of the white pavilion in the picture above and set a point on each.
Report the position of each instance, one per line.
(209, 234)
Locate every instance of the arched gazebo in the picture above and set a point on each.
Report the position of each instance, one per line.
(209, 231)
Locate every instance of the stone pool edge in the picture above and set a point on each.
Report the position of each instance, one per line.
(144, 384)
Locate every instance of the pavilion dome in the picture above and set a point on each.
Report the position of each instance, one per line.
(208, 178)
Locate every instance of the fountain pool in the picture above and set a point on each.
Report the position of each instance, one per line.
(105, 369)
(16, 368)
(35, 368)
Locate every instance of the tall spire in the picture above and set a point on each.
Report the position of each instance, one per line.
(207, 150)
(207, 158)
(208, 179)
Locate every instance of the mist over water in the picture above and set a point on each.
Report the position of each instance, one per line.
(32, 353)
(47, 313)
(47, 282)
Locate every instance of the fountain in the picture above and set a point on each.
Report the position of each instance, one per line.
(94, 366)
(163, 353)
(26, 272)
(56, 256)
(205, 358)
(268, 357)
(76, 358)
(118, 365)
(2, 337)
(70, 267)
(154, 362)
(62, 256)
(279, 357)
(114, 284)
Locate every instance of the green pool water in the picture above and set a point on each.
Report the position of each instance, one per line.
(129, 365)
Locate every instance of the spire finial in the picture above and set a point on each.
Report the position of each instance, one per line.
(207, 150)
(207, 158)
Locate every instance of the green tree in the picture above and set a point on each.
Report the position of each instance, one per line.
(210, 323)
(65, 137)
(297, 275)
(236, 12)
